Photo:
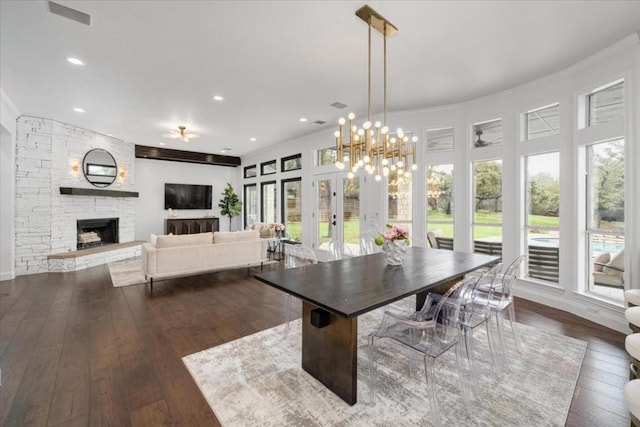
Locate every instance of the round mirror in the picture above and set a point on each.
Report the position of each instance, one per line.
(99, 167)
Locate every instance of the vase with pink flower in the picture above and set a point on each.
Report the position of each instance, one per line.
(394, 242)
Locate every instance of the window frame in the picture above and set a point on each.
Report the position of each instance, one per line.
(275, 200)
(283, 198)
(284, 160)
(264, 165)
(245, 205)
(248, 168)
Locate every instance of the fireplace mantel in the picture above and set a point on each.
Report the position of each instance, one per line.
(76, 191)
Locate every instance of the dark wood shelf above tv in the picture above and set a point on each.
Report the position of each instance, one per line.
(75, 191)
(145, 152)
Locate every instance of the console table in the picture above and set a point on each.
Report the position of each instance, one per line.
(191, 225)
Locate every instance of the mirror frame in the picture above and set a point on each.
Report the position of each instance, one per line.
(101, 172)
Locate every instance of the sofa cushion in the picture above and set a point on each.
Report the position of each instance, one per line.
(617, 261)
(603, 258)
(235, 236)
(184, 240)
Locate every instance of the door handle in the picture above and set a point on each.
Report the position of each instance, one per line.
(334, 222)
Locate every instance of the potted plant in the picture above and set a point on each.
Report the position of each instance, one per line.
(230, 204)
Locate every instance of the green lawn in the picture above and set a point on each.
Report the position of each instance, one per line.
(352, 228)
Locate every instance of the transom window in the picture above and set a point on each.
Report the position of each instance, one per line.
(606, 104)
(544, 121)
(487, 133)
(327, 156)
(439, 139)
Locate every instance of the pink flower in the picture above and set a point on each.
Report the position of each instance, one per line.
(389, 235)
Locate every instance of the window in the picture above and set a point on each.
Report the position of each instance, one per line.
(250, 204)
(291, 163)
(487, 133)
(606, 104)
(250, 171)
(605, 215)
(439, 139)
(400, 201)
(487, 201)
(268, 207)
(327, 156)
(542, 215)
(544, 121)
(292, 208)
(440, 207)
(268, 168)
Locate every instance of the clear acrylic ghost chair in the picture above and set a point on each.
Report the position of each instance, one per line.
(475, 313)
(338, 251)
(296, 256)
(367, 246)
(498, 296)
(431, 331)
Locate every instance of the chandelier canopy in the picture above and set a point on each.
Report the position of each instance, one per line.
(372, 147)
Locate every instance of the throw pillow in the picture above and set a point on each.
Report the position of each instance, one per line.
(153, 239)
(603, 258)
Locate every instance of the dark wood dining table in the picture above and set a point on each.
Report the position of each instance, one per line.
(335, 293)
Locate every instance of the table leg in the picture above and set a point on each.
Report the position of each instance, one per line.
(330, 354)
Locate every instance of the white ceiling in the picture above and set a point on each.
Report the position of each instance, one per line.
(154, 65)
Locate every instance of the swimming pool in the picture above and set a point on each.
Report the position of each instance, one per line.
(598, 247)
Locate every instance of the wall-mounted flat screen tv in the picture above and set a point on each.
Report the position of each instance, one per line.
(187, 196)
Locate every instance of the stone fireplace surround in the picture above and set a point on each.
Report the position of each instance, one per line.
(45, 220)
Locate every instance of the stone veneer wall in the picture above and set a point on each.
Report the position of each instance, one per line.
(45, 220)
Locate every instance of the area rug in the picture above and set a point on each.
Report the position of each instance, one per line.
(257, 380)
(126, 272)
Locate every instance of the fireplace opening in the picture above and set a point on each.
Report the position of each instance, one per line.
(97, 232)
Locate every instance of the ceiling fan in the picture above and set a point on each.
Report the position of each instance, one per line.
(180, 133)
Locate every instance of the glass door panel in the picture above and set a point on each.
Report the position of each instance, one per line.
(324, 211)
(351, 213)
(338, 215)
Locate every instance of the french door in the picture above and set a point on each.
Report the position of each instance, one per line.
(337, 212)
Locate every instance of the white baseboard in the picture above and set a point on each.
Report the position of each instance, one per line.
(7, 275)
(602, 314)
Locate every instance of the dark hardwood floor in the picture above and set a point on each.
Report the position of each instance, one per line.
(75, 351)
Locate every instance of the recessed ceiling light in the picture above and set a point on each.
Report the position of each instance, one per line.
(78, 110)
(75, 61)
(303, 119)
(218, 97)
(252, 139)
(161, 143)
(223, 151)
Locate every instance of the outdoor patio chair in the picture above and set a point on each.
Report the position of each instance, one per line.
(609, 274)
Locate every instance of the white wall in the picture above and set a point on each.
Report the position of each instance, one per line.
(619, 60)
(153, 174)
(8, 115)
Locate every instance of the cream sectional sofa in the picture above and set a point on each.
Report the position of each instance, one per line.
(187, 254)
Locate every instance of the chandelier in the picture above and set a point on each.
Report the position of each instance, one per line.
(372, 147)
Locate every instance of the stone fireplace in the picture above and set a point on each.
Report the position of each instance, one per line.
(47, 220)
(97, 232)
